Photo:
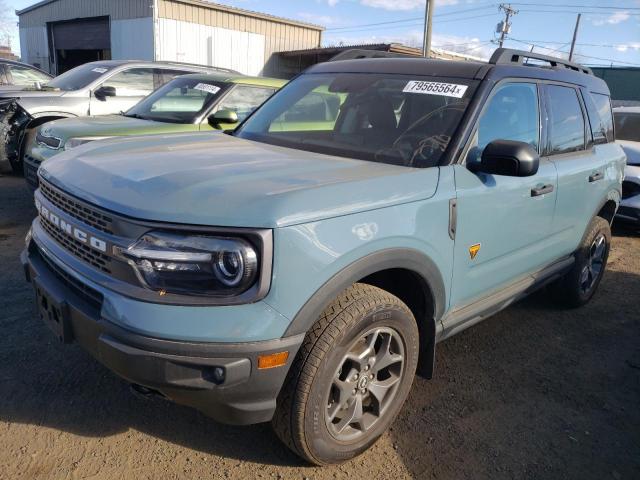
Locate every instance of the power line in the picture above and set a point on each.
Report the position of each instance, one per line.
(412, 19)
(573, 6)
(390, 24)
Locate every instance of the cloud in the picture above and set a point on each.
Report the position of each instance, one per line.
(403, 4)
(613, 19)
(624, 47)
(323, 20)
(331, 3)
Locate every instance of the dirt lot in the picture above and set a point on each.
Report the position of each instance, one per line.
(531, 393)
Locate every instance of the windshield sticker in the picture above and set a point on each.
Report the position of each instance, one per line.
(205, 87)
(435, 88)
(99, 70)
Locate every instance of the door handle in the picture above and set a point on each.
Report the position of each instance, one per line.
(594, 177)
(536, 192)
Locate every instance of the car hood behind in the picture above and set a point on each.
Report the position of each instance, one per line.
(219, 180)
(31, 94)
(110, 125)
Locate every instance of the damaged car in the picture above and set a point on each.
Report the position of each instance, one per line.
(95, 88)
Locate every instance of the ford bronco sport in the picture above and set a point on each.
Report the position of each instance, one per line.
(302, 268)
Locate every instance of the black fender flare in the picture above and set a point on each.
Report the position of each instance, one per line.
(404, 258)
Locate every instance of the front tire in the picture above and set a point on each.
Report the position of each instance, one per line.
(580, 283)
(350, 377)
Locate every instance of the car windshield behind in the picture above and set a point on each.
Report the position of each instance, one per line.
(627, 125)
(79, 77)
(390, 118)
(182, 100)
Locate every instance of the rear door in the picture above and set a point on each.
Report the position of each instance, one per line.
(579, 158)
(503, 225)
(131, 85)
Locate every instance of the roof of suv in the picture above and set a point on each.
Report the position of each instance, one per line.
(503, 63)
(117, 63)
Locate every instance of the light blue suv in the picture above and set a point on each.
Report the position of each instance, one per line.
(302, 268)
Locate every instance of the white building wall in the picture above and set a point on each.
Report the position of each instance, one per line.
(132, 39)
(180, 41)
(34, 46)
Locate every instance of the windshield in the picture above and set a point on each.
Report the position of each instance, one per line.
(182, 100)
(627, 126)
(79, 77)
(390, 118)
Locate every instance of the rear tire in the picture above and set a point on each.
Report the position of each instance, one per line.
(580, 283)
(350, 377)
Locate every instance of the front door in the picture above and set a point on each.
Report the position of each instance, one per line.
(130, 85)
(503, 223)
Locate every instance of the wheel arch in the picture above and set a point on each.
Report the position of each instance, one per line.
(406, 273)
(44, 117)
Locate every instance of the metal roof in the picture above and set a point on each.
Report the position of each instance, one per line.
(211, 5)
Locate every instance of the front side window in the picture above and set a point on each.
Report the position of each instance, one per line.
(183, 100)
(398, 119)
(627, 126)
(244, 99)
(135, 82)
(26, 77)
(565, 125)
(511, 114)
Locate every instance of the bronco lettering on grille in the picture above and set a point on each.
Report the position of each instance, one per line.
(70, 229)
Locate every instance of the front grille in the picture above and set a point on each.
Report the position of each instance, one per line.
(31, 166)
(79, 249)
(88, 294)
(67, 204)
(50, 142)
(630, 189)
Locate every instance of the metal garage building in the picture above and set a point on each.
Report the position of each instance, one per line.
(57, 35)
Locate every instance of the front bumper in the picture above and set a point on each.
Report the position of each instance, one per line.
(33, 157)
(179, 370)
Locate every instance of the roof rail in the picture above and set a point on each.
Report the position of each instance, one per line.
(506, 56)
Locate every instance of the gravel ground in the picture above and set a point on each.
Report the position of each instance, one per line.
(533, 392)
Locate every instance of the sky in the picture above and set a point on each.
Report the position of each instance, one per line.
(609, 30)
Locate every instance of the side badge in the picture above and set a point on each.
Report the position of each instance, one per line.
(473, 250)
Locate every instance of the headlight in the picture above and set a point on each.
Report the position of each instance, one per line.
(193, 264)
(27, 238)
(76, 142)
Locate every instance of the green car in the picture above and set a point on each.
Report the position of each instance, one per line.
(189, 103)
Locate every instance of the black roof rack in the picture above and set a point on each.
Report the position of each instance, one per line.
(508, 56)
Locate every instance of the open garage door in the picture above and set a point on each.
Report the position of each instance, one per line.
(80, 41)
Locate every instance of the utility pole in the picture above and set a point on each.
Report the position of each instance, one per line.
(575, 35)
(504, 27)
(428, 16)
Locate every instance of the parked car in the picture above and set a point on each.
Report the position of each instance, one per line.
(186, 104)
(627, 121)
(18, 76)
(96, 88)
(302, 276)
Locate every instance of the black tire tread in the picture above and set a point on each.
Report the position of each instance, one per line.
(338, 316)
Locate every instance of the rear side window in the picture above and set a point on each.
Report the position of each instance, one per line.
(565, 123)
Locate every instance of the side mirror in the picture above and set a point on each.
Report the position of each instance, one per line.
(105, 91)
(508, 158)
(222, 117)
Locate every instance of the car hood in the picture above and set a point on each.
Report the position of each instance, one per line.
(110, 125)
(219, 180)
(632, 150)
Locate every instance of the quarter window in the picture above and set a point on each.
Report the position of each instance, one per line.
(566, 121)
(511, 114)
(603, 104)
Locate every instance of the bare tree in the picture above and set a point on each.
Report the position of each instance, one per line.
(8, 22)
